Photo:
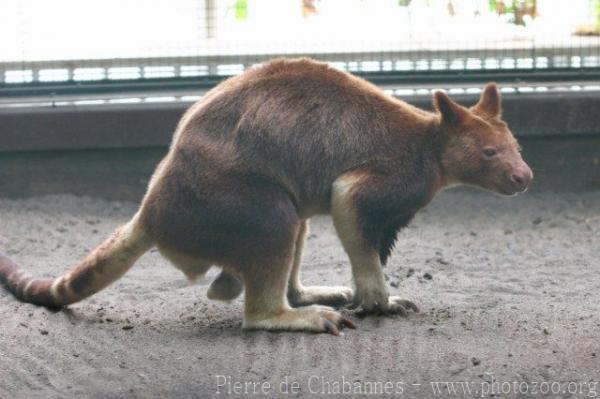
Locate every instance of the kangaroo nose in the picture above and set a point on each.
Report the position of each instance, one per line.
(518, 179)
(522, 178)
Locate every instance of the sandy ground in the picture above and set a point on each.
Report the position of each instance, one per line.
(509, 290)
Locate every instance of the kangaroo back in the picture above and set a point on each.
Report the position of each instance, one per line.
(105, 264)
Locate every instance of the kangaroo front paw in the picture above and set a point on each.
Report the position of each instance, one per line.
(318, 319)
(382, 305)
(330, 296)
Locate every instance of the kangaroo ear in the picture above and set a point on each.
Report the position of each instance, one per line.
(490, 102)
(451, 112)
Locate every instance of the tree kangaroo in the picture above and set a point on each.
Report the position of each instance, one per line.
(259, 155)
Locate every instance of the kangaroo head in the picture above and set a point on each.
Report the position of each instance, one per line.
(478, 148)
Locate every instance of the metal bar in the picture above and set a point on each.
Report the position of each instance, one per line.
(210, 18)
(224, 59)
(381, 78)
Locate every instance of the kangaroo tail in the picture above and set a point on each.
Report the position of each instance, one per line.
(102, 266)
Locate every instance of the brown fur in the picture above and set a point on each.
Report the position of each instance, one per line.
(263, 152)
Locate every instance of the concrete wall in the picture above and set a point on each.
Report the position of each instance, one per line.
(111, 151)
(151, 124)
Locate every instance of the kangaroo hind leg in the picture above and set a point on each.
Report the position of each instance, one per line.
(300, 295)
(193, 268)
(266, 304)
(226, 287)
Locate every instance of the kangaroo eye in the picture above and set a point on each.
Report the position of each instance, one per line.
(489, 152)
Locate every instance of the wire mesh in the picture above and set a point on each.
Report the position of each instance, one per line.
(83, 42)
